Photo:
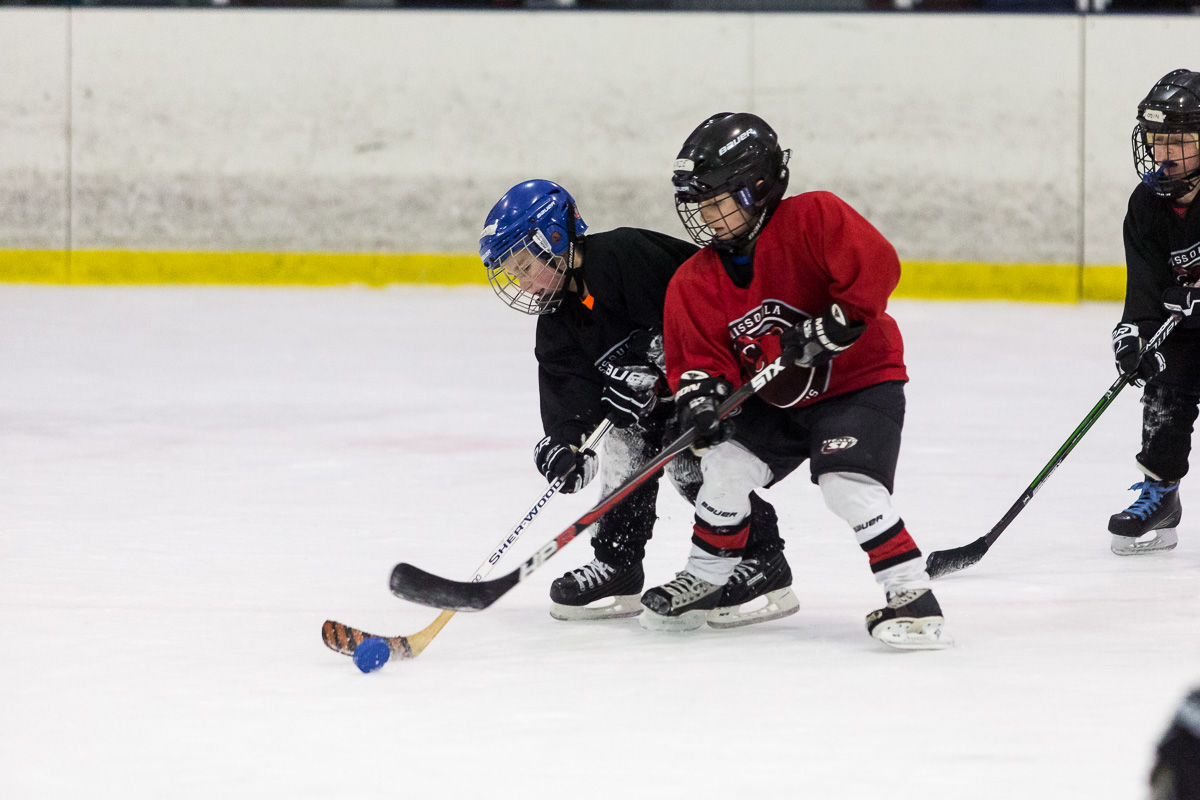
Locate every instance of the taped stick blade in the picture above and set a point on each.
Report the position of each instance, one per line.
(342, 638)
(944, 562)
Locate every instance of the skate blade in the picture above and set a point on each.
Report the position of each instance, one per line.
(1153, 542)
(913, 634)
(774, 605)
(620, 606)
(687, 621)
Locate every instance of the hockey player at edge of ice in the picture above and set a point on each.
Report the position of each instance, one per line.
(1162, 270)
(1176, 771)
(599, 300)
(809, 277)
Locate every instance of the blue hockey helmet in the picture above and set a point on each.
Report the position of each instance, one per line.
(528, 245)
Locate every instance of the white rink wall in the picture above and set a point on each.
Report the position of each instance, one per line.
(990, 138)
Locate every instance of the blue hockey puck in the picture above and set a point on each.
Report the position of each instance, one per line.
(372, 654)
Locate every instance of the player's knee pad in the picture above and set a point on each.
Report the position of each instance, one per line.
(730, 472)
(863, 502)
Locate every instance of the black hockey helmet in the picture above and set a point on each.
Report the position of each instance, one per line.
(736, 154)
(1169, 117)
(1176, 773)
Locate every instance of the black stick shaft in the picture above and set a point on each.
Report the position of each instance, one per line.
(414, 584)
(942, 562)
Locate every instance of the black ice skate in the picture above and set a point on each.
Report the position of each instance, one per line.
(1149, 524)
(912, 620)
(681, 604)
(597, 591)
(759, 591)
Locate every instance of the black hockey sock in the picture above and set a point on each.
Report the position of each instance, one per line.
(1168, 415)
(764, 540)
(622, 533)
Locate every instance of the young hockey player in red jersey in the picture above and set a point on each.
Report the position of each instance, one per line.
(811, 277)
(1162, 254)
(599, 301)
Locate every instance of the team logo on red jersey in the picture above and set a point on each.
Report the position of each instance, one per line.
(756, 341)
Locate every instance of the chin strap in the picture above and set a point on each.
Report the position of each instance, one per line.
(573, 274)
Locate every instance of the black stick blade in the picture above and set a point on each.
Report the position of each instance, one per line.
(943, 562)
(417, 585)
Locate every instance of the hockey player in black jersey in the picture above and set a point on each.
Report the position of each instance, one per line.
(1162, 254)
(599, 301)
(1176, 771)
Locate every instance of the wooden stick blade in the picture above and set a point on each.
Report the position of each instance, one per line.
(414, 645)
(345, 639)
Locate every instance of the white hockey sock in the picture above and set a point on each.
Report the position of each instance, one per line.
(714, 569)
(866, 506)
(909, 575)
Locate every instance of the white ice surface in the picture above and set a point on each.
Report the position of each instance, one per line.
(192, 480)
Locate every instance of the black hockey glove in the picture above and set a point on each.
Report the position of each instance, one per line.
(1184, 301)
(697, 399)
(1127, 349)
(816, 340)
(555, 459)
(630, 393)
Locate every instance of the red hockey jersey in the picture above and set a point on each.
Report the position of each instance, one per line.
(814, 251)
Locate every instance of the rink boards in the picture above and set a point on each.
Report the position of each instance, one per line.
(268, 147)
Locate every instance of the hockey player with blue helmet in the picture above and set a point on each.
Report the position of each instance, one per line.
(528, 246)
(599, 302)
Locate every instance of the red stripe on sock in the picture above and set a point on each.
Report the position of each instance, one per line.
(898, 545)
(723, 541)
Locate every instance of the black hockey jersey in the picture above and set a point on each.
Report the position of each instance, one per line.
(1160, 245)
(626, 272)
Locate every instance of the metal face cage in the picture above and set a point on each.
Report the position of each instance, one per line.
(739, 223)
(528, 276)
(1168, 161)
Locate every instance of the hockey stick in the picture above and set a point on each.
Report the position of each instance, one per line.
(411, 583)
(345, 639)
(943, 562)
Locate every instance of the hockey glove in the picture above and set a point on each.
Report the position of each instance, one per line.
(556, 459)
(1184, 301)
(1131, 360)
(630, 393)
(697, 399)
(816, 340)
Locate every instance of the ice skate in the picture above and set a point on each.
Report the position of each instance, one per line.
(682, 604)
(758, 591)
(597, 591)
(1148, 526)
(912, 620)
